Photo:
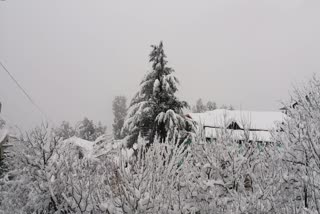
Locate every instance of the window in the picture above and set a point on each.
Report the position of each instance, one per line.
(80, 154)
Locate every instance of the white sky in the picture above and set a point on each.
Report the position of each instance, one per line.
(74, 56)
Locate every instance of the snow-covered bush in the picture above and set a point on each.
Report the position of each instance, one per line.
(53, 176)
(228, 176)
(149, 182)
(301, 139)
(219, 176)
(202, 177)
(31, 185)
(84, 181)
(86, 129)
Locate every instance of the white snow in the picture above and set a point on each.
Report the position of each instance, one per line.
(88, 145)
(262, 120)
(75, 142)
(156, 86)
(259, 123)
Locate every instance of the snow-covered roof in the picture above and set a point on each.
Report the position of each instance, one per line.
(254, 120)
(88, 145)
(85, 145)
(258, 124)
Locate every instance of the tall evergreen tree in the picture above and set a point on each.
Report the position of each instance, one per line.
(155, 110)
(119, 107)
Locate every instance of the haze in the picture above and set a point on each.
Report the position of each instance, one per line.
(74, 56)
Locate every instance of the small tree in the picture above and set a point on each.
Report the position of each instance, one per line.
(150, 182)
(301, 137)
(99, 130)
(31, 187)
(65, 130)
(119, 107)
(155, 110)
(87, 130)
(199, 107)
(211, 106)
(232, 177)
(230, 107)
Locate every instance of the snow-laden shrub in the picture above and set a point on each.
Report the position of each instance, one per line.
(52, 176)
(202, 177)
(225, 176)
(301, 140)
(30, 186)
(149, 182)
(220, 176)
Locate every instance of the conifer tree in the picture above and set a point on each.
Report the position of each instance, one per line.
(155, 110)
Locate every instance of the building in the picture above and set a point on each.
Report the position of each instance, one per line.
(3, 142)
(240, 125)
(7, 136)
(3, 136)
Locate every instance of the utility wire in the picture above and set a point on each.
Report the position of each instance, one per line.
(24, 92)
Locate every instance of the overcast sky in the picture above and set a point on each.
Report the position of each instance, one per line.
(74, 56)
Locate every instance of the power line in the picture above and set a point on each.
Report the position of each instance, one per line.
(24, 91)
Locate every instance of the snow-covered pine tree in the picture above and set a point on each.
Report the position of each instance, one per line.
(155, 110)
